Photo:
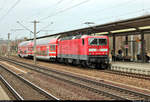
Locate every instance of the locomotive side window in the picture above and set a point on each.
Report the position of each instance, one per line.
(82, 41)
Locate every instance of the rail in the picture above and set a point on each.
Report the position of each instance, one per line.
(30, 66)
(11, 89)
(40, 90)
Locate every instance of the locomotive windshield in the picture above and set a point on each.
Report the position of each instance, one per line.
(97, 41)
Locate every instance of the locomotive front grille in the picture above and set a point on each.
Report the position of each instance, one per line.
(98, 59)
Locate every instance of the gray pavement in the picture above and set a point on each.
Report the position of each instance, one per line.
(134, 67)
(3, 94)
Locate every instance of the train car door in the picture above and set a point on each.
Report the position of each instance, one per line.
(47, 50)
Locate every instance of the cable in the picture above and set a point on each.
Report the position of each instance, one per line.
(24, 26)
(133, 12)
(45, 27)
(47, 8)
(66, 9)
(3, 5)
(60, 1)
(118, 5)
(13, 6)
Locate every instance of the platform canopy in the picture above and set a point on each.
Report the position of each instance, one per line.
(122, 27)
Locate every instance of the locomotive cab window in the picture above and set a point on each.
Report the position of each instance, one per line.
(97, 41)
(82, 41)
(102, 41)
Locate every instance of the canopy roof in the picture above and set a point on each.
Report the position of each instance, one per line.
(122, 27)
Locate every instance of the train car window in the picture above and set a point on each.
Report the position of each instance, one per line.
(82, 41)
(61, 39)
(78, 36)
(30, 48)
(52, 47)
(66, 38)
(74, 37)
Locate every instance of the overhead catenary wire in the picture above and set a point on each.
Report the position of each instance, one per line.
(60, 1)
(45, 27)
(47, 8)
(118, 5)
(24, 26)
(126, 3)
(12, 7)
(3, 5)
(85, 1)
(125, 14)
(66, 9)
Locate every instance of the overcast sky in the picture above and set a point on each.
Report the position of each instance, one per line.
(65, 14)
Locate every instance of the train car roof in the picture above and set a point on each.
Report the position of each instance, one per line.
(46, 40)
(90, 36)
(30, 43)
(24, 43)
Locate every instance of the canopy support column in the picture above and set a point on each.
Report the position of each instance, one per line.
(114, 47)
(142, 47)
(126, 45)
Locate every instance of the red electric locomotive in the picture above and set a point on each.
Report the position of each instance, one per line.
(84, 50)
(78, 50)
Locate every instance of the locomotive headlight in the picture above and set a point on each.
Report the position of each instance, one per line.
(92, 49)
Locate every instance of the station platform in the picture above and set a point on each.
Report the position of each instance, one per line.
(3, 94)
(133, 67)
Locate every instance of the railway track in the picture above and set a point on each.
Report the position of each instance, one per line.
(101, 88)
(123, 73)
(21, 88)
(133, 75)
(128, 74)
(11, 89)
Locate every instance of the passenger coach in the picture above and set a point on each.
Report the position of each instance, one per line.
(25, 49)
(47, 48)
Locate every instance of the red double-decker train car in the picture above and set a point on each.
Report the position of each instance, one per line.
(25, 49)
(47, 48)
(82, 50)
